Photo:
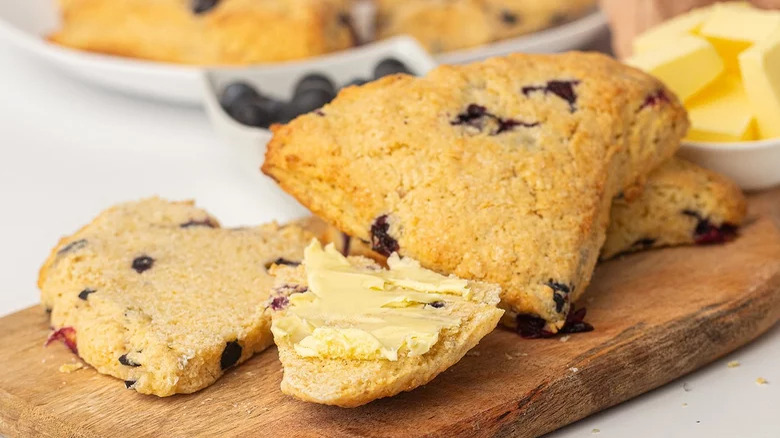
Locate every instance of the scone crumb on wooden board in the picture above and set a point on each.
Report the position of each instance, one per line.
(71, 367)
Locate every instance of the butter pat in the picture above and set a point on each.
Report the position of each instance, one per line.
(740, 23)
(357, 313)
(686, 67)
(667, 33)
(760, 66)
(722, 113)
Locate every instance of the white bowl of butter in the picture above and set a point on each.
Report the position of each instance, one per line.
(723, 62)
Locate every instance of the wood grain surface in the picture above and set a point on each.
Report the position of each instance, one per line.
(658, 315)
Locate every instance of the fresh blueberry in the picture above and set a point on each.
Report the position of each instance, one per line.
(260, 112)
(309, 100)
(142, 263)
(86, 293)
(235, 93)
(230, 355)
(201, 6)
(389, 66)
(314, 81)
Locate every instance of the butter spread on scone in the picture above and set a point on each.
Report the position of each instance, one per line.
(157, 294)
(350, 332)
(500, 171)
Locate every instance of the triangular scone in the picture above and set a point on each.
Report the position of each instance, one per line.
(500, 171)
(161, 297)
(349, 332)
(680, 203)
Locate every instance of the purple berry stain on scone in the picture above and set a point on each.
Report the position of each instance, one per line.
(654, 99)
(230, 355)
(532, 327)
(86, 293)
(124, 360)
(562, 89)
(67, 335)
(280, 298)
(279, 302)
(142, 263)
(73, 246)
(575, 322)
(208, 222)
(202, 6)
(477, 116)
(381, 241)
(706, 233)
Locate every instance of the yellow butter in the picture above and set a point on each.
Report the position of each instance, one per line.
(360, 313)
(666, 33)
(734, 29)
(722, 113)
(760, 66)
(686, 67)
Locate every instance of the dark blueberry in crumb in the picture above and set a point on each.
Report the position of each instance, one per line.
(437, 304)
(142, 263)
(654, 99)
(260, 112)
(389, 66)
(314, 81)
(531, 327)
(73, 246)
(127, 362)
(706, 233)
(230, 355)
(280, 302)
(282, 261)
(129, 383)
(356, 82)
(560, 301)
(509, 17)
(381, 241)
(476, 116)
(310, 100)
(202, 223)
(562, 89)
(201, 6)
(235, 93)
(85, 293)
(559, 287)
(346, 244)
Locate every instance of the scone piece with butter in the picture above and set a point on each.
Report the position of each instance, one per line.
(350, 332)
(157, 294)
(500, 171)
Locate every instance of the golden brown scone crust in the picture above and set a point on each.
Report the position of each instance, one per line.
(501, 171)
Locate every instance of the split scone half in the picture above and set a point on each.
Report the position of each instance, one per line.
(156, 294)
(349, 332)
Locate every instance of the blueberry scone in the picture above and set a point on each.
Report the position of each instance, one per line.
(206, 32)
(158, 295)
(501, 171)
(349, 332)
(681, 203)
(446, 25)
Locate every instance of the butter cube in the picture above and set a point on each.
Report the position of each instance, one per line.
(722, 113)
(760, 67)
(686, 67)
(667, 33)
(733, 29)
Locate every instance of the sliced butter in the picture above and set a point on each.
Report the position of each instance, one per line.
(734, 29)
(686, 67)
(667, 33)
(722, 113)
(760, 66)
(358, 313)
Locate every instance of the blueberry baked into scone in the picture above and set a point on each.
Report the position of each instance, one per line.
(207, 32)
(158, 295)
(446, 25)
(501, 171)
(680, 203)
(350, 332)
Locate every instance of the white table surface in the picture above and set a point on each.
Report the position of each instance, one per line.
(70, 150)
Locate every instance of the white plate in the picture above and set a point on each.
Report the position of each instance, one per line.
(754, 165)
(570, 36)
(25, 22)
(279, 82)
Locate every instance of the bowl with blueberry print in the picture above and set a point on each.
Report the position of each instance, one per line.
(243, 103)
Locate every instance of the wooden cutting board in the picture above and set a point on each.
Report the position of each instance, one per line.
(658, 316)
